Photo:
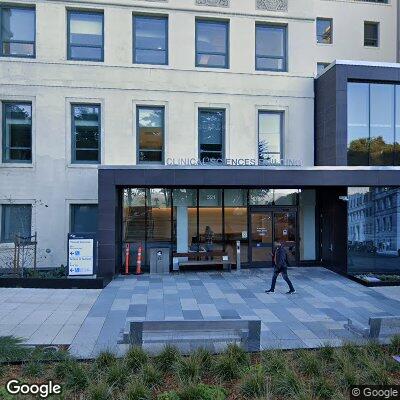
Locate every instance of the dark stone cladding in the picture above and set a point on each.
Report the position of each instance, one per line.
(112, 179)
(331, 107)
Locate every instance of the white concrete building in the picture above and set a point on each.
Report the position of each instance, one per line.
(252, 57)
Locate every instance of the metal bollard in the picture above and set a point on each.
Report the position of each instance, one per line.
(238, 262)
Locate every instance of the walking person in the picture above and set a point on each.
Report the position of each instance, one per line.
(281, 263)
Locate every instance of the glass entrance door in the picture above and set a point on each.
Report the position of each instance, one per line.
(261, 238)
(268, 227)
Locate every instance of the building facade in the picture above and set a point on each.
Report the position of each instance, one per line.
(152, 123)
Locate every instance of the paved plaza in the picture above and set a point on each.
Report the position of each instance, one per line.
(92, 320)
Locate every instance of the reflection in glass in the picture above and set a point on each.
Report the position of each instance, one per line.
(285, 197)
(16, 219)
(150, 39)
(85, 35)
(17, 31)
(211, 134)
(17, 135)
(381, 124)
(324, 30)
(261, 197)
(159, 215)
(372, 124)
(358, 124)
(212, 43)
(151, 134)
(210, 219)
(86, 133)
(373, 229)
(269, 137)
(185, 219)
(270, 47)
(84, 218)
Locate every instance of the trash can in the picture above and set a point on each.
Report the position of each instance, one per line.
(159, 260)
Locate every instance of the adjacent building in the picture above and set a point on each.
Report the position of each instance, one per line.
(195, 124)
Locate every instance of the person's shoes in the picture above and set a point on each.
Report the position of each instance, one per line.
(270, 291)
(291, 292)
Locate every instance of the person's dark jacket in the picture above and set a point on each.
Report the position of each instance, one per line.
(281, 259)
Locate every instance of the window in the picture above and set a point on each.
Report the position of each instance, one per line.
(271, 44)
(85, 36)
(150, 40)
(15, 220)
(373, 119)
(325, 30)
(86, 133)
(83, 218)
(321, 67)
(269, 137)
(17, 31)
(212, 44)
(17, 132)
(150, 129)
(211, 134)
(371, 34)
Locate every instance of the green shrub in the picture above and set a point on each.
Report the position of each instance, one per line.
(309, 362)
(188, 370)
(204, 358)
(203, 392)
(99, 391)
(117, 375)
(105, 359)
(62, 368)
(168, 396)
(4, 395)
(287, 384)
(137, 390)
(395, 345)
(167, 358)
(76, 378)
(274, 361)
(326, 352)
(136, 358)
(238, 354)
(151, 376)
(12, 349)
(33, 369)
(255, 383)
(227, 368)
(323, 389)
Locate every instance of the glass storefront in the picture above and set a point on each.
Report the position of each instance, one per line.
(196, 220)
(373, 229)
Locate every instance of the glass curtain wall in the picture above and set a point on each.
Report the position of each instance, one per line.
(373, 229)
(190, 220)
(373, 124)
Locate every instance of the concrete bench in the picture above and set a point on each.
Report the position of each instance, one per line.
(203, 332)
(378, 327)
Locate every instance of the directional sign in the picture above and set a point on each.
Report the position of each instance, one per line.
(80, 255)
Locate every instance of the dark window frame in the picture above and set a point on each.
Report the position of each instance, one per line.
(376, 40)
(72, 211)
(3, 128)
(331, 25)
(23, 7)
(282, 127)
(138, 150)
(150, 17)
(69, 45)
(223, 22)
(284, 58)
(223, 138)
(73, 139)
(2, 222)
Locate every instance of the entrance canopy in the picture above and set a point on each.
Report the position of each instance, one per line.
(320, 191)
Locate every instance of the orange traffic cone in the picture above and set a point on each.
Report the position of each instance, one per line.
(127, 255)
(139, 261)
